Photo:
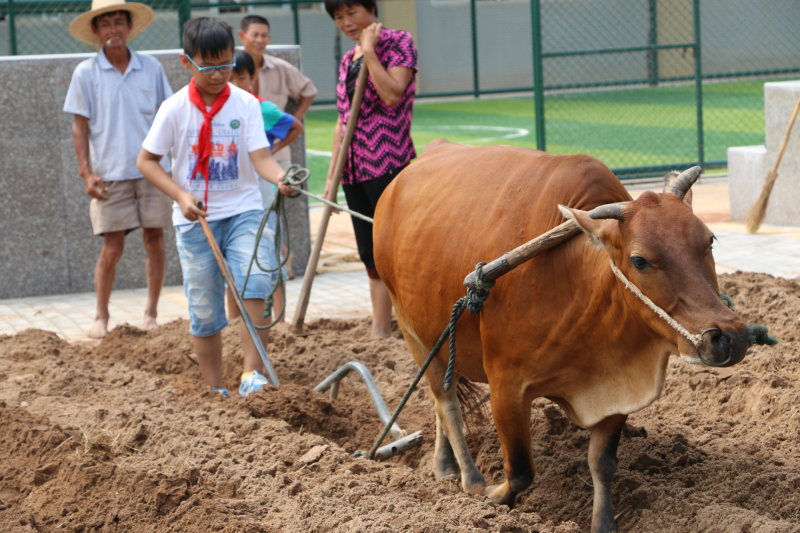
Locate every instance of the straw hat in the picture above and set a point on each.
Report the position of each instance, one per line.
(141, 17)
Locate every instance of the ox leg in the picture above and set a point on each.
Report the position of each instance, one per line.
(448, 412)
(511, 411)
(450, 441)
(444, 460)
(603, 463)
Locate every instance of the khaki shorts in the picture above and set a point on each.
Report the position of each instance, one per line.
(131, 204)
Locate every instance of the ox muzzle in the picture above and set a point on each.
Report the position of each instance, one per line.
(722, 348)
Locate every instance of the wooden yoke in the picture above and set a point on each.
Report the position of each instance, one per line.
(529, 250)
(511, 260)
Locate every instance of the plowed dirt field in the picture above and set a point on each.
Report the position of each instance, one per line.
(120, 436)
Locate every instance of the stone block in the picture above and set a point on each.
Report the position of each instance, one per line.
(34, 259)
(749, 165)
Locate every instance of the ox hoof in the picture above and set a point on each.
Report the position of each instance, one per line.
(500, 494)
(474, 484)
(446, 476)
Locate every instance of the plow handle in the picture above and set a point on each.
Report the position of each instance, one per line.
(226, 274)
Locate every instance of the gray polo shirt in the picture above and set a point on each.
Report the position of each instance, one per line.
(120, 108)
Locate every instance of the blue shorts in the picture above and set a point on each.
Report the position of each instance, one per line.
(202, 279)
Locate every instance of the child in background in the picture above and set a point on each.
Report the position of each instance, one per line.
(279, 126)
(216, 134)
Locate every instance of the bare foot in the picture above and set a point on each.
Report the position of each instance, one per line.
(99, 329)
(149, 323)
(381, 333)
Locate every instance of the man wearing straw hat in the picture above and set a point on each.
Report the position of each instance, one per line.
(114, 97)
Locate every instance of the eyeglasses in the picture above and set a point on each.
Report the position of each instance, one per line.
(208, 71)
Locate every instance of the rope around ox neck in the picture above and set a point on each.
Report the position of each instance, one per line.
(694, 339)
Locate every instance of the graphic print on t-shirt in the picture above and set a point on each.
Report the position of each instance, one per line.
(223, 164)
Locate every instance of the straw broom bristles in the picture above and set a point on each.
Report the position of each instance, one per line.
(756, 214)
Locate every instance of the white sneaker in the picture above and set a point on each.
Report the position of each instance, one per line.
(251, 381)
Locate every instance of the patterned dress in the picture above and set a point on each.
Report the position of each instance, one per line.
(382, 141)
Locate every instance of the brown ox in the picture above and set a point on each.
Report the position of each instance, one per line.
(560, 326)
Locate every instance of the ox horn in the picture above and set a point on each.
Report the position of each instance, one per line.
(609, 211)
(683, 183)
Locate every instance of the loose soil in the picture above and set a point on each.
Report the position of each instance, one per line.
(121, 436)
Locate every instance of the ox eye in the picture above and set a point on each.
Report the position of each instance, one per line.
(711, 242)
(640, 263)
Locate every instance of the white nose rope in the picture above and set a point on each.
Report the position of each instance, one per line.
(694, 339)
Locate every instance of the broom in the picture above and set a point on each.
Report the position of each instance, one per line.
(756, 214)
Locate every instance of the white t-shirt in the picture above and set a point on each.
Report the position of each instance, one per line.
(233, 182)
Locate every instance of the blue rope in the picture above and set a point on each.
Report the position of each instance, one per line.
(472, 301)
(756, 333)
(458, 310)
(295, 177)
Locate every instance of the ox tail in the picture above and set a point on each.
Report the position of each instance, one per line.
(473, 399)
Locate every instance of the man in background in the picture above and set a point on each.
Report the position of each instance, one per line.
(277, 81)
(114, 97)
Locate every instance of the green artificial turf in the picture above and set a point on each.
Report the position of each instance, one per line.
(623, 128)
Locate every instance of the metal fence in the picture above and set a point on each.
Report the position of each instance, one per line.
(644, 84)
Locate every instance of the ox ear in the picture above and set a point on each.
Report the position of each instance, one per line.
(596, 228)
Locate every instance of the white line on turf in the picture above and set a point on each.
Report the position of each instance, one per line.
(510, 133)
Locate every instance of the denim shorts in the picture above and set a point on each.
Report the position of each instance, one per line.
(202, 279)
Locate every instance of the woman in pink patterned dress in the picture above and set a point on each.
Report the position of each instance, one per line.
(381, 145)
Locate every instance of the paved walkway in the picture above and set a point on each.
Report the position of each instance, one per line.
(342, 291)
(334, 294)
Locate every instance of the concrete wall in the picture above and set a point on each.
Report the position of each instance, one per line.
(45, 233)
(749, 165)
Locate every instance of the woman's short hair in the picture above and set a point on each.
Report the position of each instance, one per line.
(207, 37)
(332, 5)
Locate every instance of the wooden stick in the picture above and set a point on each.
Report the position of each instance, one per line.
(755, 216)
(344, 148)
(226, 273)
(511, 260)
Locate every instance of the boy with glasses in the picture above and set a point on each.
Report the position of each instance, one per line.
(216, 135)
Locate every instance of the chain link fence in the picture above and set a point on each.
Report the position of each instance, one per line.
(644, 85)
(37, 27)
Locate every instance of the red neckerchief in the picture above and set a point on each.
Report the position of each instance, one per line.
(204, 139)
